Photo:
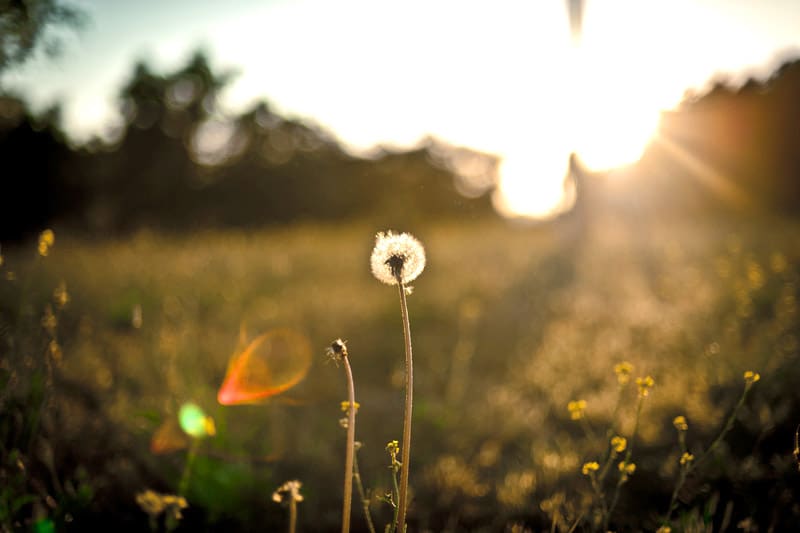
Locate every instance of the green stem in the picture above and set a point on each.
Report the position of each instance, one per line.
(406, 450)
(628, 455)
(362, 495)
(351, 439)
(685, 471)
(187, 469)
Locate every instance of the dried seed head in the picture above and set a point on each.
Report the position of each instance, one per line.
(397, 258)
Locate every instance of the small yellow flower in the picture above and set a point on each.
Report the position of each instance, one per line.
(346, 406)
(645, 384)
(590, 467)
(49, 320)
(623, 371)
(686, 458)
(627, 469)
(576, 409)
(618, 444)
(60, 295)
(680, 423)
(46, 240)
(664, 529)
(751, 377)
(55, 351)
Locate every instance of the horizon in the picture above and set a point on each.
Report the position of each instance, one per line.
(523, 90)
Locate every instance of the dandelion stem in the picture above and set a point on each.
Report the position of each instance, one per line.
(406, 446)
(351, 439)
(292, 515)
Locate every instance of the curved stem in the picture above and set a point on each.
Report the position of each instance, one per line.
(351, 439)
(406, 446)
(187, 469)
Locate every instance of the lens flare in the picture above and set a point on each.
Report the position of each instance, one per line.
(271, 364)
(168, 438)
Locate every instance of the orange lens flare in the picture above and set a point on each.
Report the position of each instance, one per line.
(271, 364)
(168, 438)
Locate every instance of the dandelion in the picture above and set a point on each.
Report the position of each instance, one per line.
(645, 384)
(680, 423)
(289, 493)
(751, 377)
(623, 371)
(618, 444)
(686, 458)
(576, 409)
(590, 467)
(46, 240)
(396, 260)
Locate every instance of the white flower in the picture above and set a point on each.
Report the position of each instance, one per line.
(397, 257)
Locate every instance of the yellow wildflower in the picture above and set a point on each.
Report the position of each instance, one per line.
(645, 384)
(623, 371)
(46, 240)
(346, 406)
(686, 458)
(751, 377)
(576, 409)
(627, 468)
(60, 295)
(664, 529)
(618, 444)
(590, 467)
(680, 423)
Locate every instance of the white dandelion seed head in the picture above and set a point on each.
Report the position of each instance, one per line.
(397, 255)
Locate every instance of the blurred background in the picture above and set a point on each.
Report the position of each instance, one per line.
(594, 182)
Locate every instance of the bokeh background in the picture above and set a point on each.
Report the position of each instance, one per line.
(594, 182)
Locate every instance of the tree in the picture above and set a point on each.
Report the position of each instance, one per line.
(25, 24)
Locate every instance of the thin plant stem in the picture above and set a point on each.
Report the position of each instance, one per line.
(628, 455)
(351, 440)
(187, 469)
(362, 495)
(406, 446)
(689, 467)
(292, 515)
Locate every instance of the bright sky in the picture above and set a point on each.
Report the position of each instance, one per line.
(500, 76)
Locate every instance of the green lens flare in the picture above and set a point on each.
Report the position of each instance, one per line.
(193, 420)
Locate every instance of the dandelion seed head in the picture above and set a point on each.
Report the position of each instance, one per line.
(397, 257)
(288, 492)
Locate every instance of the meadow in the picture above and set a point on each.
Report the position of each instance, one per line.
(510, 324)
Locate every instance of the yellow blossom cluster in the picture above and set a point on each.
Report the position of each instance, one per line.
(576, 409)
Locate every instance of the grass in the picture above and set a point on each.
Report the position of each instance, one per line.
(511, 324)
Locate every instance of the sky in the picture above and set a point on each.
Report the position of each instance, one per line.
(503, 77)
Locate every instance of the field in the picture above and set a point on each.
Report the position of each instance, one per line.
(510, 324)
